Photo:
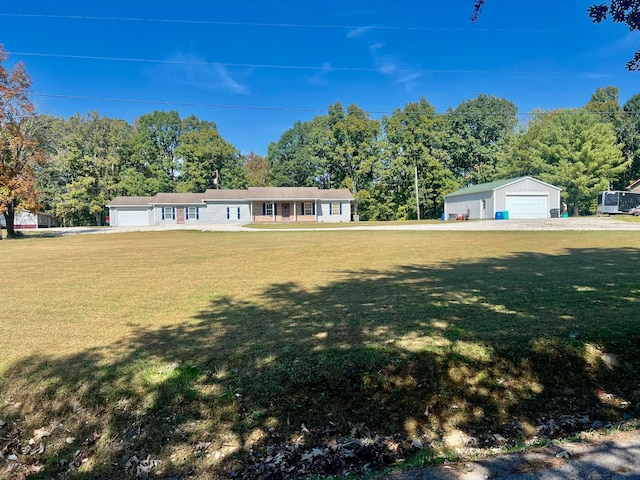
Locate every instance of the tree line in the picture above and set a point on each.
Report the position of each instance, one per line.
(398, 167)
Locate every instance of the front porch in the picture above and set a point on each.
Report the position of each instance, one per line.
(283, 211)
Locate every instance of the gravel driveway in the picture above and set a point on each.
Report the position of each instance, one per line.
(546, 224)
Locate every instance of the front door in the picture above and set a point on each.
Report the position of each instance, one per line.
(180, 215)
(285, 211)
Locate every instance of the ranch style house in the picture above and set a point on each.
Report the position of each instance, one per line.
(255, 204)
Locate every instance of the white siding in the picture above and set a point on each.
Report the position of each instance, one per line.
(324, 211)
(216, 213)
(472, 203)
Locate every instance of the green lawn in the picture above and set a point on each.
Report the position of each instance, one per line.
(155, 344)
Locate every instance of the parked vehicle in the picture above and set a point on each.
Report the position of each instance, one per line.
(615, 202)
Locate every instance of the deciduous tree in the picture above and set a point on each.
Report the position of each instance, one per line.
(256, 170)
(205, 156)
(22, 143)
(478, 130)
(415, 144)
(571, 149)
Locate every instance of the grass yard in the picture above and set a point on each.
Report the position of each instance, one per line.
(334, 225)
(193, 354)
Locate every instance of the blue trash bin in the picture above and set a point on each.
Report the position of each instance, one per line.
(499, 216)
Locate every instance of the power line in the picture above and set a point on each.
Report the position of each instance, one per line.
(277, 25)
(296, 109)
(192, 62)
(324, 68)
(185, 104)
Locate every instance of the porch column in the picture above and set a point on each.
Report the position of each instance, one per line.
(295, 212)
(273, 212)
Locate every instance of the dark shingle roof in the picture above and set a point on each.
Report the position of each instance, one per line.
(130, 202)
(214, 194)
(177, 199)
(296, 193)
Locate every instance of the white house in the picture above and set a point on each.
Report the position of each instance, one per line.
(255, 204)
(524, 197)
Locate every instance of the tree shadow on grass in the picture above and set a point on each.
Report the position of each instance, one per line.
(450, 354)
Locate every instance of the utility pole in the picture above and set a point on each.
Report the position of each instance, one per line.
(417, 197)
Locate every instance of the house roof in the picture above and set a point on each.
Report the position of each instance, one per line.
(296, 193)
(633, 184)
(492, 186)
(130, 202)
(177, 199)
(252, 193)
(214, 194)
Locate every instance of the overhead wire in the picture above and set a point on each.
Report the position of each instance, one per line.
(277, 25)
(303, 109)
(327, 68)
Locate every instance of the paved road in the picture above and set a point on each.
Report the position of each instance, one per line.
(614, 457)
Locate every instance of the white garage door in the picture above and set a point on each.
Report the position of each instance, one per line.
(132, 218)
(527, 206)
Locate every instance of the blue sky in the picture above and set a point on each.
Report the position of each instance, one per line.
(256, 66)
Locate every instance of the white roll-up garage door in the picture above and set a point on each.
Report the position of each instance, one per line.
(132, 217)
(527, 206)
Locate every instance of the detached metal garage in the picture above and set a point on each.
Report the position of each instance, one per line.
(524, 197)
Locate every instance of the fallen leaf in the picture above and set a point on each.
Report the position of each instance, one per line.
(40, 433)
(202, 446)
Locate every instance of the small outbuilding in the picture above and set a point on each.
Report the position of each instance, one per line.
(524, 197)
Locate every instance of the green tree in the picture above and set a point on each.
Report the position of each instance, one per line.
(571, 149)
(351, 150)
(605, 102)
(415, 144)
(90, 152)
(629, 136)
(206, 157)
(151, 164)
(478, 130)
(294, 159)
